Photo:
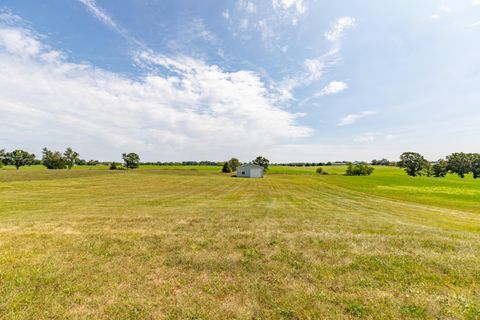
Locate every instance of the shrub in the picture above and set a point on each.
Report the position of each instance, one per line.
(359, 170)
(321, 171)
(113, 166)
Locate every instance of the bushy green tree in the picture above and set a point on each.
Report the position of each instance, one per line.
(131, 160)
(226, 167)
(70, 157)
(459, 163)
(53, 160)
(20, 158)
(234, 163)
(2, 157)
(321, 171)
(414, 164)
(440, 169)
(263, 162)
(475, 163)
(359, 170)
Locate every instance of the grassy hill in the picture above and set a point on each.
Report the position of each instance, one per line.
(192, 243)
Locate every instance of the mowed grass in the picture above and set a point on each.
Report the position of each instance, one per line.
(176, 243)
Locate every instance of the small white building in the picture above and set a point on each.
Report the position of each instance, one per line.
(249, 170)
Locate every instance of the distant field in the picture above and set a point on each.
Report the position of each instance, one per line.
(192, 243)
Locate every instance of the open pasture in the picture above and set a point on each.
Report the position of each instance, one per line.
(192, 243)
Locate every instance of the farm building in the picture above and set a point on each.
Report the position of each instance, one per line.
(249, 170)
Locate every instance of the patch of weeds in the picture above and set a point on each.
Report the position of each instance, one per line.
(295, 260)
(413, 311)
(129, 312)
(250, 252)
(286, 313)
(471, 311)
(357, 310)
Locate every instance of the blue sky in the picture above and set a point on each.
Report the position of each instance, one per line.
(293, 80)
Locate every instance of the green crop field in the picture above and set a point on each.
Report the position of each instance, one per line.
(192, 243)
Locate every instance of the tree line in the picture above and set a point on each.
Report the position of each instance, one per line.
(459, 163)
(56, 160)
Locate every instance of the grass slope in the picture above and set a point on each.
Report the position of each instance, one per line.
(194, 244)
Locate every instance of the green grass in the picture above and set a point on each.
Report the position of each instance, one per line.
(176, 243)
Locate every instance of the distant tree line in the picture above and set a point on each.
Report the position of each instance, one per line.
(184, 163)
(459, 163)
(313, 164)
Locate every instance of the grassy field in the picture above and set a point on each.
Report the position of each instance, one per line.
(192, 243)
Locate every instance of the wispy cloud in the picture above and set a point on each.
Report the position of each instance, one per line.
(333, 87)
(374, 136)
(337, 31)
(267, 19)
(100, 14)
(366, 137)
(475, 3)
(352, 118)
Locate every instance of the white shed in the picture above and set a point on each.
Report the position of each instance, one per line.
(249, 170)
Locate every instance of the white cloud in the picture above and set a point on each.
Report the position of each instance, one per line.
(374, 136)
(193, 107)
(298, 5)
(390, 137)
(440, 12)
(333, 87)
(19, 41)
(226, 15)
(314, 68)
(352, 118)
(250, 7)
(267, 19)
(475, 3)
(338, 29)
(476, 24)
(366, 137)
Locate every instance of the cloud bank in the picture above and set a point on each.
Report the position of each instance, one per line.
(182, 106)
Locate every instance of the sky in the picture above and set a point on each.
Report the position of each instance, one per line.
(291, 80)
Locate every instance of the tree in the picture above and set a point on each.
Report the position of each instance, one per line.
(226, 167)
(459, 163)
(414, 164)
(131, 160)
(475, 163)
(263, 162)
(70, 157)
(383, 162)
(440, 169)
(234, 163)
(20, 158)
(53, 160)
(359, 170)
(2, 157)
